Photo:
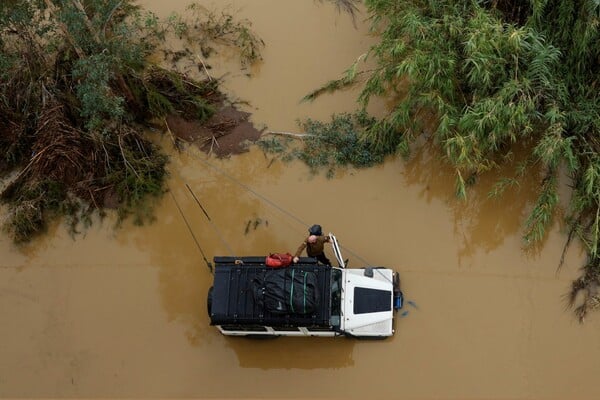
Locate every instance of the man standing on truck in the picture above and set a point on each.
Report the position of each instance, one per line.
(314, 245)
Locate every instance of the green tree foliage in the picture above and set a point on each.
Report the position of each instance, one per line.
(76, 88)
(497, 72)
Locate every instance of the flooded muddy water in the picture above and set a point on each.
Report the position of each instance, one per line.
(122, 313)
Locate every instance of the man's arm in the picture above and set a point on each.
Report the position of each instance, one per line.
(299, 251)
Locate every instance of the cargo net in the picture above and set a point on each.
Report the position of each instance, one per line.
(287, 291)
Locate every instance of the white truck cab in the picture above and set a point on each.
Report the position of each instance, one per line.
(368, 302)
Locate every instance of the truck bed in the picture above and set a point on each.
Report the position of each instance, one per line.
(233, 301)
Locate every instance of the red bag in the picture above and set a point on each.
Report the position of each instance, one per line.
(276, 260)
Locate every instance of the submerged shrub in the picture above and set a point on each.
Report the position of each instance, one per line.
(77, 89)
(330, 145)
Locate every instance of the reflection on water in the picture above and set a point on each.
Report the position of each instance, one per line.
(482, 222)
(123, 313)
(293, 353)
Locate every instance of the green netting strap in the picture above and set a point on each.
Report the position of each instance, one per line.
(292, 293)
(304, 304)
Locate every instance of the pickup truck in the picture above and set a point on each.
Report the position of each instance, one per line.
(249, 298)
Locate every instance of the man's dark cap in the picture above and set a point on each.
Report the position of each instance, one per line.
(315, 230)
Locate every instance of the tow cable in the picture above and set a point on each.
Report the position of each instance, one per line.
(208, 264)
(211, 222)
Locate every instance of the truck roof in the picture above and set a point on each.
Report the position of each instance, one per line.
(233, 298)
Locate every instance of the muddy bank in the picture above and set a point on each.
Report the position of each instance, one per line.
(227, 132)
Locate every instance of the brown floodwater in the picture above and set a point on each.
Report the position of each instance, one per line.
(121, 313)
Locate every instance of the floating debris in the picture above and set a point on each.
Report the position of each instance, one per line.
(412, 303)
